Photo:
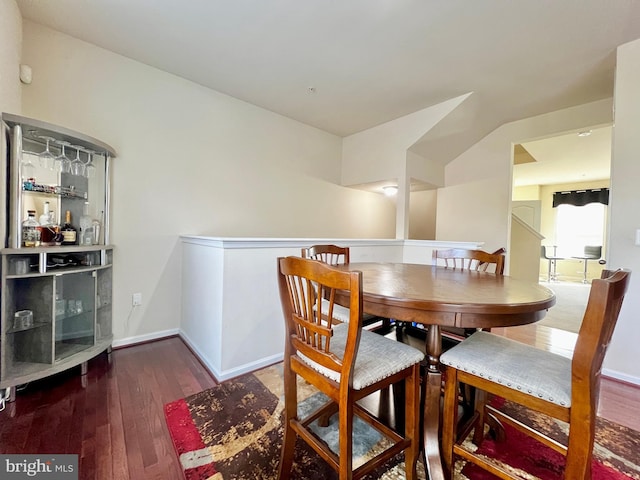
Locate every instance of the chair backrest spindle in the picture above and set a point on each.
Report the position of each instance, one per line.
(478, 260)
(310, 320)
(330, 254)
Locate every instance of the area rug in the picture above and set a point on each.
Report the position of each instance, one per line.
(616, 450)
(234, 431)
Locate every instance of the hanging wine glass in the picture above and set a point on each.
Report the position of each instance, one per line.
(27, 168)
(89, 167)
(62, 163)
(77, 167)
(46, 157)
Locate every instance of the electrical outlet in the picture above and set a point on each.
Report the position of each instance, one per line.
(137, 299)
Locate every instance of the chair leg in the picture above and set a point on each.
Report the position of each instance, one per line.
(580, 447)
(481, 414)
(398, 391)
(449, 420)
(412, 422)
(346, 441)
(290, 413)
(324, 420)
(584, 277)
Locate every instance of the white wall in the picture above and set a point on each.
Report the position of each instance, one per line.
(190, 161)
(231, 311)
(380, 152)
(10, 53)
(480, 176)
(476, 200)
(624, 207)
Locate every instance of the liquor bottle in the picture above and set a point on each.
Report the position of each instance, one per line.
(69, 232)
(31, 230)
(86, 227)
(48, 227)
(44, 218)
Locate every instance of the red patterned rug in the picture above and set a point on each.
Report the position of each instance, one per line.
(616, 450)
(234, 431)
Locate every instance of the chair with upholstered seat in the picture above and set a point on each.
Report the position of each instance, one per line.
(345, 362)
(563, 388)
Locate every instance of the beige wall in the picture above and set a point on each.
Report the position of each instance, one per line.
(529, 192)
(525, 250)
(10, 54)
(624, 209)
(422, 215)
(190, 161)
(381, 154)
(475, 204)
(490, 160)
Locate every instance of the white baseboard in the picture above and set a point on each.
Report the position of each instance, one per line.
(623, 377)
(123, 342)
(222, 375)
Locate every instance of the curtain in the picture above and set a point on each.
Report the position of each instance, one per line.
(580, 198)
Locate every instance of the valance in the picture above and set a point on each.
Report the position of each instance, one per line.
(580, 198)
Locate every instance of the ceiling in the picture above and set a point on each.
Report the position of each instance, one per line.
(346, 66)
(566, 158)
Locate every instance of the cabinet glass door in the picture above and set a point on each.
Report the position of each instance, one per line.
(103, 305)
(27, 304)
(74, 313)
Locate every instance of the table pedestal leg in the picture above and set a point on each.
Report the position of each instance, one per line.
(431, 414)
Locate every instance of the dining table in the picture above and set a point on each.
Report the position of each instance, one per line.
(436, 297)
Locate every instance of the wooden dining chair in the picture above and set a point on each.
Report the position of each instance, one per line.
(331, 254)
(463, 259)
(336, 255)
(478, 260)
(459, 258)
(346, 363)
(563, 388)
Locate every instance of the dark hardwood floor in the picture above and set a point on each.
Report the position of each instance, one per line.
(113, 417)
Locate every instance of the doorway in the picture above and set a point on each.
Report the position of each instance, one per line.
(568, 162)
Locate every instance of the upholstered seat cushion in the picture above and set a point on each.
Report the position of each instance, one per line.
(341, 313)
(521, 367)
(378, 357)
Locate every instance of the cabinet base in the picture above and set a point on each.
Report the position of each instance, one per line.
(80, 359)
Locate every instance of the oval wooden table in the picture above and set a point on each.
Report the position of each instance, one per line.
(438, 296)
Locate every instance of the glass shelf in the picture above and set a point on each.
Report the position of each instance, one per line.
(53, 190)
(30, 327)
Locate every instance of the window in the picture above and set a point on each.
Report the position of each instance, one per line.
(579, 226)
